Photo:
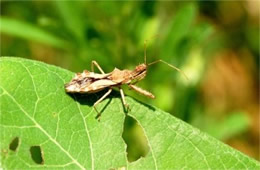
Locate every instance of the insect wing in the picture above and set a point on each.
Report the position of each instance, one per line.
(76, 84)
(97, 85)
(94, 75)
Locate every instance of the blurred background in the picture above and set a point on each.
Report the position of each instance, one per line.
(216, 43)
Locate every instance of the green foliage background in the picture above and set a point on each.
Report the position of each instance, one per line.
(190, 36)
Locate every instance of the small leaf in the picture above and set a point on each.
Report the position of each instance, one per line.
(233, 124)
(179, 29)
(71, 13)
(35, 107)
(29, 32)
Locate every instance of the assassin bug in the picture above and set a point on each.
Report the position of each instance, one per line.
(91, 82)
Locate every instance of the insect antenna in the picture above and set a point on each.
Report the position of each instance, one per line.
(145, 44)
(179, 70)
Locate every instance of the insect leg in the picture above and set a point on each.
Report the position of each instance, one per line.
(123, 98)
(94, 63)
(141, 91)
(100, 100)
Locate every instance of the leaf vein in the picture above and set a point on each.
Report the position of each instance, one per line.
(45, 132)
(88, 134)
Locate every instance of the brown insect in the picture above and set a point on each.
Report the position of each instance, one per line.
(91, 82)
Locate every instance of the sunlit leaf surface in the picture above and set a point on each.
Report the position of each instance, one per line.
(42, 126)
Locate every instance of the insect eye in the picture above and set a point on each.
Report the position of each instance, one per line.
(140, 67)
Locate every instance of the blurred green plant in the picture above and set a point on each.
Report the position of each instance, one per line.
(113, 34)
(28, 31)
(224, 129)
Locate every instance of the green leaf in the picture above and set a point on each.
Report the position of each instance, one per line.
(179, 29)
(71, 13)
(233, 124)
(28, 31)
(42, 126)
